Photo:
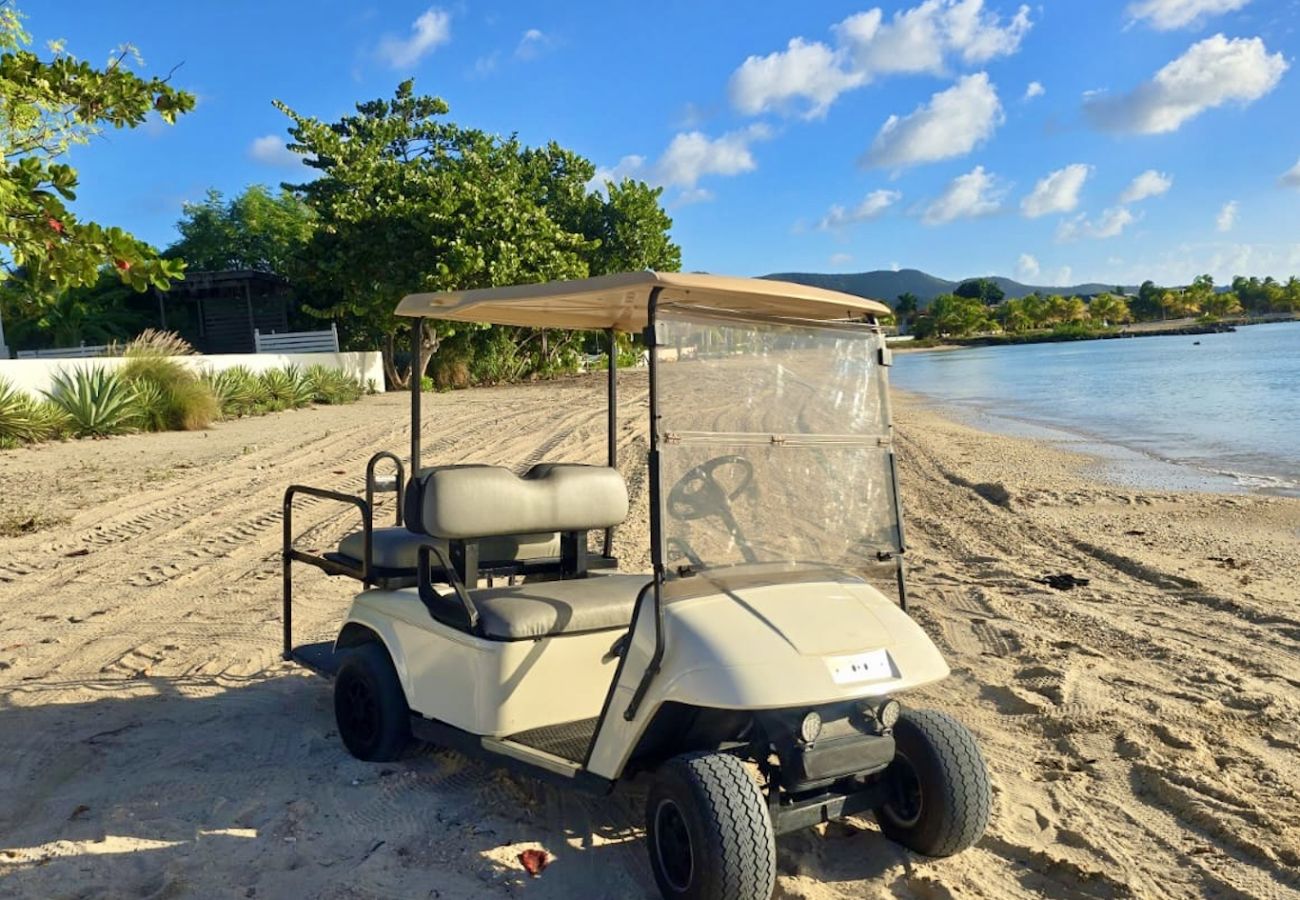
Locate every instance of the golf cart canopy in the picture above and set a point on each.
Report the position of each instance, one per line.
(621, 302)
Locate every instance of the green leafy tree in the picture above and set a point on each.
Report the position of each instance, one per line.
(1220, 303)
(409, 201)
(1146, 305)
(257, 230)
(1014, 317)
(48, 106)
(905, 307)
(1109, 309)
(984, 290)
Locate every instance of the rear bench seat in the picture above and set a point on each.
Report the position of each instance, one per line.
(510, 519)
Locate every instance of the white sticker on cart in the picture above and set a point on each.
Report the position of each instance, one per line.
(874, 665)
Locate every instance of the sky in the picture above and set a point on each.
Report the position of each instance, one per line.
(1056, 143)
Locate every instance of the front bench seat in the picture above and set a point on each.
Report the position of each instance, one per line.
(531, 611)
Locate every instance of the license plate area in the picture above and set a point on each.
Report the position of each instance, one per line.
(858, 668)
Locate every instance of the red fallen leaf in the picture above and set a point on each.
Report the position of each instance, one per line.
(56, 224)
(122, 264)
(534, 861)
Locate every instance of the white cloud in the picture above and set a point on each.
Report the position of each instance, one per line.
(803, 71)
(627, 167)
(1291, 177)
(808, 76)
(841, 259)
(691, 155)
(532, 45)
(271, 151)
(921, 39)
(1111, 223)
(1149, 184)
(974, 194)
(1058, 192)
(1212, 73)
(1166, 15)
(1227, 216)
(1035, 89)
(1064, 276)
(1027, 266)
(431, 30)
(872, 207)
(953, 123)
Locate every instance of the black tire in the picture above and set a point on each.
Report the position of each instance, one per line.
(369, 705)
(709, 833)
(939, 786)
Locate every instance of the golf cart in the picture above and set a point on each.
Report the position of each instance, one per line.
(753, 674)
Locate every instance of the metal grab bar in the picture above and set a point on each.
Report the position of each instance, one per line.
(399, 474)
(333, 567)
(428, 596)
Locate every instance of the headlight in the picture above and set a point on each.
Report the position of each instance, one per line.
(810, 728)
(888, 712)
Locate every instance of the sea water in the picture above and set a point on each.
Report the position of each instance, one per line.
(1212, 411)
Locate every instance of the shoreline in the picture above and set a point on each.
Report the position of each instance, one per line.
(1107, 461)
(1141, 731)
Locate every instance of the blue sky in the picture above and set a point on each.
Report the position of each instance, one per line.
(1161, 139)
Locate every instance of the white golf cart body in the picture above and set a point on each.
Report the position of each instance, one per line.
(773, 518)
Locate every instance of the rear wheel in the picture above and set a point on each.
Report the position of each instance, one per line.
(370, 706)
(709, 833)
(939, 794)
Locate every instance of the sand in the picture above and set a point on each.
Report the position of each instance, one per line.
(1143, 732)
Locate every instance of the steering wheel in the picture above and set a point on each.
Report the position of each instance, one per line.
(698, 494)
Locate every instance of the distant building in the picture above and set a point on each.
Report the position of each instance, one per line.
(217, 312)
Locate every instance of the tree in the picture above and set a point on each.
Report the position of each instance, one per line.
(984, 290)
(905, 308)
(408, 201)
(1221, 303)
(47, 107)
(1147, 304)
(1014, 316)
(1108, 309)
(952, 316)
(257, 230)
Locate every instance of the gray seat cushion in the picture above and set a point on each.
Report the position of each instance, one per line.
(529, 611)
(476, 501)
(398, 548)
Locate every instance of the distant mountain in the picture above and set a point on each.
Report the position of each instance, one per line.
(886, 285)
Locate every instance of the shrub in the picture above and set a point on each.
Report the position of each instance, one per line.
(169, 395)
(328, 385)
(152, 342)
(98, 403)
(18, 425)
(238, 391)
(285, 388)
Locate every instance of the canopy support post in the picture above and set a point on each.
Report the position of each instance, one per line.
(417, 375)
(612, 392)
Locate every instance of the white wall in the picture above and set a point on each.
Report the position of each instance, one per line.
(36, 375)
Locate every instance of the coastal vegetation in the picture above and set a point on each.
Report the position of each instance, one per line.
(978, 307)
(152, 390)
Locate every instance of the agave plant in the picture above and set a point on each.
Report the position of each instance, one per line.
(151, 406)
(285, 388)
(18, 422)
(97, 402)
(327, 385)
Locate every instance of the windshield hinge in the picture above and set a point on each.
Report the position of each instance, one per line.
(886, 356)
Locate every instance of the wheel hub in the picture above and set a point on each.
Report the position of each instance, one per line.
(673, 844)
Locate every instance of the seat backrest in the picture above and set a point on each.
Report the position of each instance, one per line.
(465, 502)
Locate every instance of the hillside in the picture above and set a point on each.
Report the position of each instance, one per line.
(886, 285)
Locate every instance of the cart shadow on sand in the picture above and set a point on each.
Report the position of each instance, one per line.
(198, 785)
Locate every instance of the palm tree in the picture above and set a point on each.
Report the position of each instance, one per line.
(1107, 310)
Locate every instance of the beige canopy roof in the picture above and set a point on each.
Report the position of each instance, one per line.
(620, 301)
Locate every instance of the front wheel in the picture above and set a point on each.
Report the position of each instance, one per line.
(939, 795)
(370, 706)
(709, 832)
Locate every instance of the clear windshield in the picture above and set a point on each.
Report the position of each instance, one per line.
(773, 442)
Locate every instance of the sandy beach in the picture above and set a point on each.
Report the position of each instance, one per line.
(1143, 732)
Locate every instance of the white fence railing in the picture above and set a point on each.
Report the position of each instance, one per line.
(65, 352)
(297, 341)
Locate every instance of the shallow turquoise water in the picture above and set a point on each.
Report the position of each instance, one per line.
(1226, 412)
